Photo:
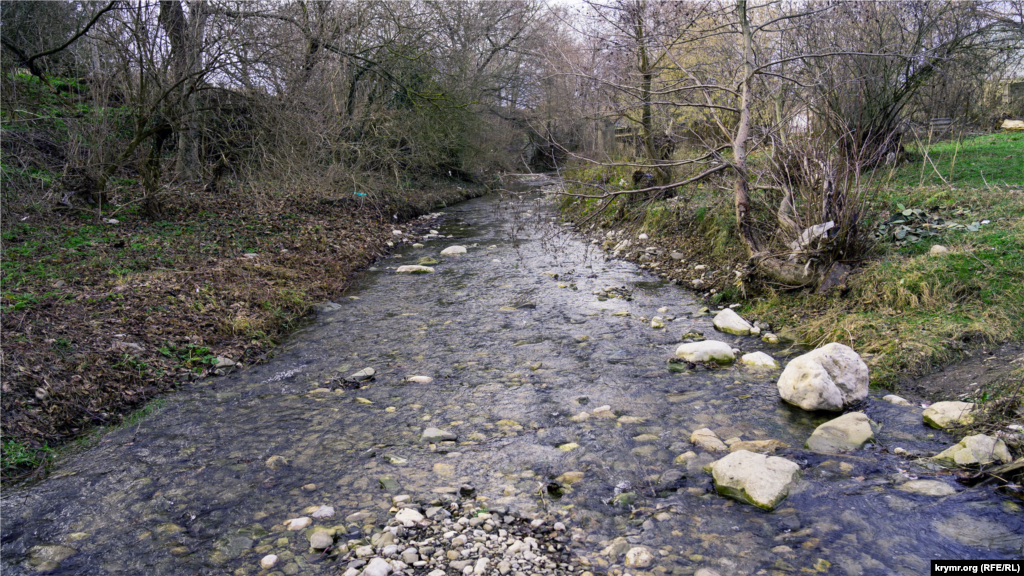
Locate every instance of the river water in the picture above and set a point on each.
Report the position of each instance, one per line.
(516, 342)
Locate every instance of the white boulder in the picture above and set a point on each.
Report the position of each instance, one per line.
(706, 351)
(977, 449)
(848, 432)
(453, 251)
(419, 379)
(763, 481)
(759, 360)
(948, 414)
(731, 322)
(828, 378)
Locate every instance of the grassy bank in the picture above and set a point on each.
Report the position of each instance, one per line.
(906, 311)
(100, 318)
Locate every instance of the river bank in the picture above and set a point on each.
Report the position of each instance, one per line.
(100, 319)
(940, 283)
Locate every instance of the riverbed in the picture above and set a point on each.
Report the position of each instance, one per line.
(530, 327)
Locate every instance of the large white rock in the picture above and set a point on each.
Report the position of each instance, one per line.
(756, 479)
(414, 269)
(708, 440)
(977, 449)
(731, 322)
(948, 414)
(848, 432)
(453, 251)
(828, 378)
(759, 360)
(706, 351)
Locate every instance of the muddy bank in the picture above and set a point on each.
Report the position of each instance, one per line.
(483, 369)
(101, 318)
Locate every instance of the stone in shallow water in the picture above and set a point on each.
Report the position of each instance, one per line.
(324, 512)
(759, 446)
(948, 414)
(708, 440)
(420, 379)
(639, 557)
(321, 539)
(296, 524)
(275, 462)
(848, 432)
(453, 251)
(44, 553)
(706, 351)
(756, 479)
(414, 269)
(897, 400)
(268, 561)
(362, 375)
(436, 435)
(759, 360)
(977, 449)
(828, 378)
(927, 488)
(731, 323)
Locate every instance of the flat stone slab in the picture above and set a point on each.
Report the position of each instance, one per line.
(413, 269)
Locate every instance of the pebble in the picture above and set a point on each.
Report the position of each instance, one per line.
(268, 561)
(296, 524)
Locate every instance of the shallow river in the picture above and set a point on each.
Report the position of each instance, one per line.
(516, 342)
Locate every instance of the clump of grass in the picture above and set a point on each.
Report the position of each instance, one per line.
(17, 457)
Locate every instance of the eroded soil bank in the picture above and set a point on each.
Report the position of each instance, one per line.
(517, 344)
(100, 318)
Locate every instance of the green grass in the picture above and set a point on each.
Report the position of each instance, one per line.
(16, 457)
(906, 311)
(911, 312)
